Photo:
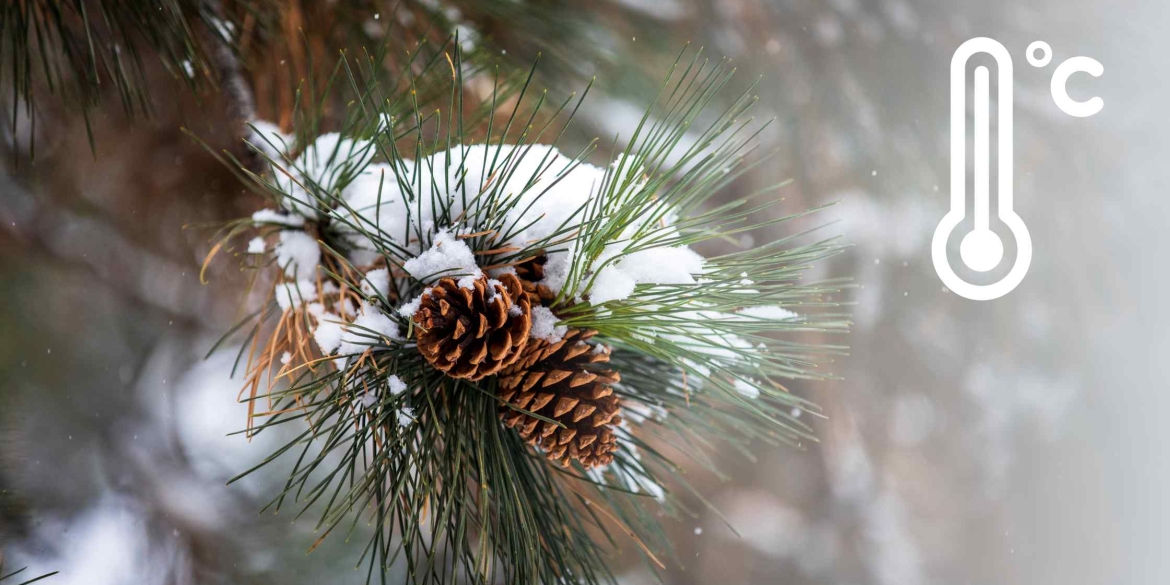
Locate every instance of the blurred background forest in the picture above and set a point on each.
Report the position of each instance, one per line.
(1016, 441)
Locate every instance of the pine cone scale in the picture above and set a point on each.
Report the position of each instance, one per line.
(501, 347)
(554, 377)
(565, 404)
(582, 411)
(542, 400)
(479, 355)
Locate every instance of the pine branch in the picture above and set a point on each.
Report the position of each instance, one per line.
(78, 48)
(234, 87)
(446, 489)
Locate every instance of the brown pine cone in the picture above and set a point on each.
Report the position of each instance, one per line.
(531, 272)
(473, 332)
(566, 382)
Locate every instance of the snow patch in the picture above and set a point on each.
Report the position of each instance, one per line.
(328, 333)
(298, 254)
(447, 257)
(747, 389)
(405, 416)
(770, 313)
(376, 283)
(290, 295)
(272, 216)
(411, 307)
(256, 245)
(370, 328)
(319, 169)
(544, 325)
(397, 386)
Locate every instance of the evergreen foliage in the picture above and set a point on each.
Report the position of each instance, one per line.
(441, 487)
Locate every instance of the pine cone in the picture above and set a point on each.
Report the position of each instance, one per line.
(563, 381)
(531, 272)
(473, 332)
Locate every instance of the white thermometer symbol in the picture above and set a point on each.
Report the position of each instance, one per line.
(982, 250)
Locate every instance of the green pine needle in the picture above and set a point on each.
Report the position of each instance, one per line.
(7, 576)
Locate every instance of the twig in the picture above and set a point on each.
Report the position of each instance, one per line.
(241, 105)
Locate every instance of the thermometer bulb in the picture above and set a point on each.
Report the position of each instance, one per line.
(981, 250)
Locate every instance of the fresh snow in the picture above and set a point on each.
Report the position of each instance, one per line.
(769, 313)
(405, 416)
(371, 326)
(374, 203)
(747, 389)
(290, 295)
(256, 245)
(273, 216)
(368, 399)
(544, 325)
(546, 193)
(397, 386)
(611, 284)
(319, 168)
(617, 280)
(376, 283)
(410, 308)
(328, 333)
(447, 256)
(366, 330)
(298, 254)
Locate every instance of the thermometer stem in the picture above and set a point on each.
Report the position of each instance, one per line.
(982, 150)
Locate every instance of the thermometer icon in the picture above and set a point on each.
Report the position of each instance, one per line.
(981, 249)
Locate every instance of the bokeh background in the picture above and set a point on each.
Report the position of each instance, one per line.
(1014, 441)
